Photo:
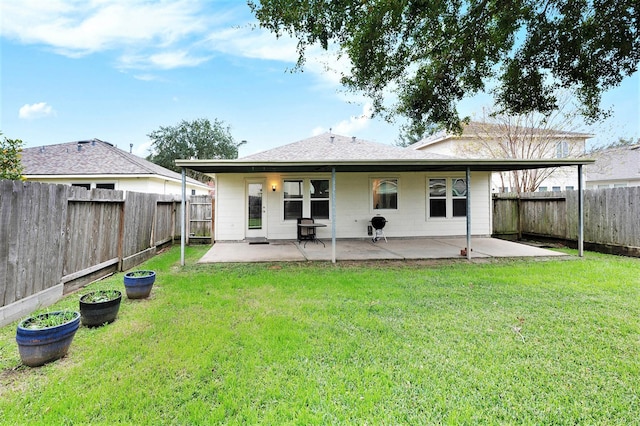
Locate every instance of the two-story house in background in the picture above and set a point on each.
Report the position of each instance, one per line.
(513, 141)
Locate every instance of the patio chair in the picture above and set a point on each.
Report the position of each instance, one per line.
(306, 233)
(378, 223)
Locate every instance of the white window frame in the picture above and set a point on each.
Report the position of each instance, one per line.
(449, 197)
(372, 181)
(306, 196)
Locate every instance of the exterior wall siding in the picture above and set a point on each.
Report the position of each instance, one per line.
(146, 185)
(354, 206)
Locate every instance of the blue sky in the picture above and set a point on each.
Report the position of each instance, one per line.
(118, 69)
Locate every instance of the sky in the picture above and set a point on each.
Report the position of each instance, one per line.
(116, 70)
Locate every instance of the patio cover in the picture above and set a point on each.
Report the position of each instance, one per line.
(386, 165)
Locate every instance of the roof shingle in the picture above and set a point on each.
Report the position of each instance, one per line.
(329, 147)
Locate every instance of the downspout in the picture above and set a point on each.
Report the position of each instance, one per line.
(468, 181)
(333, 215)
(580, 212)
(183, 225)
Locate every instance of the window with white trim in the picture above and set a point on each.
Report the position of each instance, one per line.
(306, 198)
(319, 193)
(447, 198)
(385, 194)
(562, 149)
(292, 199)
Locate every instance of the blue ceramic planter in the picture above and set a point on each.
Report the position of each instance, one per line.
(138, 284)
(39, 346)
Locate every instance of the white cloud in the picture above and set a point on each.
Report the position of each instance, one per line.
(159, 34)
(37, 110)
(355, 123)
(143, 149)
(82, 27)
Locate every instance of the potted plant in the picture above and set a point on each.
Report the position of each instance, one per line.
(46, 337)
(99, 307)
(138, 283)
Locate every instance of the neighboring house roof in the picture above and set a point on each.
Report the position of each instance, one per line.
(329, 146)
(90, 157)
(475, 128)
(621, 163)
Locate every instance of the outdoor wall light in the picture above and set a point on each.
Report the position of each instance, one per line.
(273, 187)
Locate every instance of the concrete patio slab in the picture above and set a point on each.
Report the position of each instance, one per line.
(228, 252)
(393, 249)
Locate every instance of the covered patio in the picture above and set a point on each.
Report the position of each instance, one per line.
(261, 196)
(362, 250)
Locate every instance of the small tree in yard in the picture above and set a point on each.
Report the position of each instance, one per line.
(198, 139)
(529, 136)
(10, 165)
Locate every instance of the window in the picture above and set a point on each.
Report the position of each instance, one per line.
(292, 199)
(106, 185)
(447, 197)
(555, 188)
(568, 188)
(459, 196)
(82, 185)
(619, 185)
(542, 189)
(562, 149)
(437, 198)
(319, 198)
(385, 194)
(306, 198)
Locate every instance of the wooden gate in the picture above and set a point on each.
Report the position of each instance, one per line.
(200, 220)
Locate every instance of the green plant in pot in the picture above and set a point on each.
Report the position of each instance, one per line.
(46, 337)
(138, 284)
(100, 307)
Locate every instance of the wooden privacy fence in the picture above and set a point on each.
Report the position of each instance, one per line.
(611, 218)
(57, 238)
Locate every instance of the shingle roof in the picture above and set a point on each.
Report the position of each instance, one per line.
(329, 147)
(91, 157)
(616, 164)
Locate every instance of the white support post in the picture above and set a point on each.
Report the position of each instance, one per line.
(333, 215)
(468, 182)
(183, 225)
(580, 212)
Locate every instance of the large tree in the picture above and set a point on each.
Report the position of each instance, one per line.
(10, 165)
(435, 53)
(197, 139)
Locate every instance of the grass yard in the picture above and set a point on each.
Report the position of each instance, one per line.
(496, 342)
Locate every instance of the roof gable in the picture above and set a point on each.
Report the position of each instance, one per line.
(328, 146)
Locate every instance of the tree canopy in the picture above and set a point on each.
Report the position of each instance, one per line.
(198, 139)
(10, 165)
(435, 53)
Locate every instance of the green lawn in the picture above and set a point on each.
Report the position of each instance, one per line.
(493, 342)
